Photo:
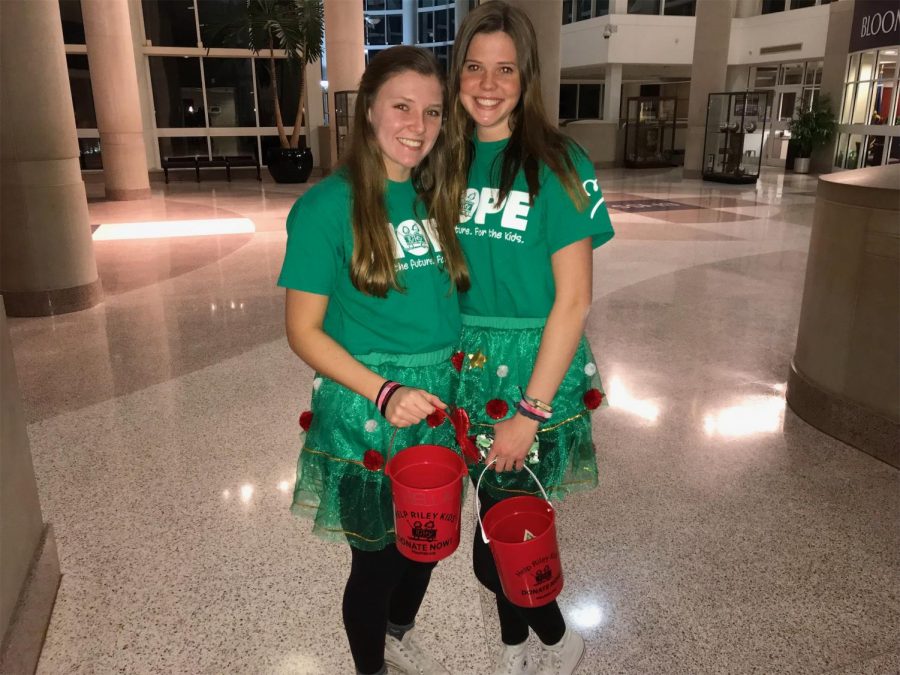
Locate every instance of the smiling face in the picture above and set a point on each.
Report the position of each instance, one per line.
(406, 120)
(489, 84)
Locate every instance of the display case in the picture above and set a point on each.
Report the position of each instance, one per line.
(344, 105)
(735, 129)
(650, 131)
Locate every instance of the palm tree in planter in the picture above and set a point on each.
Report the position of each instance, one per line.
(297, 27)
(811, 129)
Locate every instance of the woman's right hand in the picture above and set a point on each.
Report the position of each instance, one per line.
(410, 406)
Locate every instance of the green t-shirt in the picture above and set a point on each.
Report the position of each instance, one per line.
(421, 318)
(508, 246)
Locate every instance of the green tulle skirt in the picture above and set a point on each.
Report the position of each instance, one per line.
(341, 484)
(498, 354)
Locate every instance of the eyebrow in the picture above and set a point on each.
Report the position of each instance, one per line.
(499, 63)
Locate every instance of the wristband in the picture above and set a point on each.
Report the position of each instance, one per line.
(536, 402)
(387, 396)
(385, 386)
(530, 412)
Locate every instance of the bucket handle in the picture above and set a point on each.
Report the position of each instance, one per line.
(478, 501)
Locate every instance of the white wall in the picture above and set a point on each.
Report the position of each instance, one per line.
(809, 27)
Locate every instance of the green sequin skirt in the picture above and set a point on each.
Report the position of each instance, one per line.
(566, 460)
(340, 472)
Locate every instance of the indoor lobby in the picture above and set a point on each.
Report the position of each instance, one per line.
(727, 533)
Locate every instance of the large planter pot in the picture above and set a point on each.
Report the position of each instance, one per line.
(801, 165)
(289, 166)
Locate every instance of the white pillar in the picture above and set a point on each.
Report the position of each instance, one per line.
(546, 16)
(612, 92)
(46, 253)
(344, 45)
(409, 22)
(107, 30)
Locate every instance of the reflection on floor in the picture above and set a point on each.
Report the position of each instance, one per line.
(727, 536)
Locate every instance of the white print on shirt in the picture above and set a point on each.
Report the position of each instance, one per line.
(409, 236)
(478, 204)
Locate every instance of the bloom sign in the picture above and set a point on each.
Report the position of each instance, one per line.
(876, 23)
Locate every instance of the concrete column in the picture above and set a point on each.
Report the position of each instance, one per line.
(710, 64)
(29, 565)
(46, 254)
(344, 45)
(747, 8)
(618, 7)
(546, 15)
(107, 30)
(843, 377)
(612, 92)
(834, 72)
(409, 22)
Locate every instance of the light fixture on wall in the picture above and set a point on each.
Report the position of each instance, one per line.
(609, 29)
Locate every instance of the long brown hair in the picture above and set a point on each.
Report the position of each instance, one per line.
(534, 139)
(372, 265)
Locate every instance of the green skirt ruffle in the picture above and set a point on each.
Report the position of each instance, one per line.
(498, 354)
(340, 472)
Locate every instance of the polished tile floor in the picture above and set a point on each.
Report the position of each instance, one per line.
(727, 536)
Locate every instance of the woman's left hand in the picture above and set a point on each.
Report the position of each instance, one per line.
(512, 441)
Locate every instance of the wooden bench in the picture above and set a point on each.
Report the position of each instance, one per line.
(228, 162)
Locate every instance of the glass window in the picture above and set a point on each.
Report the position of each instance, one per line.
(82, 94)
(72, 23)
(89, 156)
(394, 29)
(881, 103)
(183, 147)
(567, 12)
(229, 92)
(897, 109)
(894, 153)
(568, 99)
(801, 4)
(177, 91)
(643, 6)
(583, 9)
(601, 7)
(791, 73)
(443, 54)
(426, 27)
(374, 4)
(866, 65)
(765, 77)
(887, 64)
(813, 72)
(234, 145)
(589, 101)
(848, 104)
(394, 4)
(810, 96)
(170, 23)
(681, 7)
(855, 150)
(213, 14)
(874, 151)
(770, 6)
(788, 105)
(853, 68)
(426, 3)
(375, 33)
(860, 104)
(440, 26)
(288, 83)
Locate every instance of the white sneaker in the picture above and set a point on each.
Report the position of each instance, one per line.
(406, 656)
(512, 660)
(562, 658)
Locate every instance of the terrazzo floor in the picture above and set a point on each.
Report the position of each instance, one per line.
(727, 536)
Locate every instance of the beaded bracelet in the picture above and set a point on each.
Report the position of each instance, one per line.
(388, 389)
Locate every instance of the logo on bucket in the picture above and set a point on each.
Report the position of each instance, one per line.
(543, 575)
(423, 531)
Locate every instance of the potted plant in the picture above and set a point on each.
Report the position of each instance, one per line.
(811, 129)
(297, 27)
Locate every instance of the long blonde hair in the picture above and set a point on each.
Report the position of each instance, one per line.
(534, 139)
(372, 265)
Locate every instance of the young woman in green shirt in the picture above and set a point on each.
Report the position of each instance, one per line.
(532, 212)
(372, 268)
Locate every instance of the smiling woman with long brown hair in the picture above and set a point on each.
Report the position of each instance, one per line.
(532, 214)
(372, 269)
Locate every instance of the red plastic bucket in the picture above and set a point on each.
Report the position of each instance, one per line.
(521, 533)
(427, 486)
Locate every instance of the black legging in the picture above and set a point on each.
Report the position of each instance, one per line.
(383, 586)
(547, 621)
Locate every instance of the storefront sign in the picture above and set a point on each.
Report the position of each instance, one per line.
(876, 23)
